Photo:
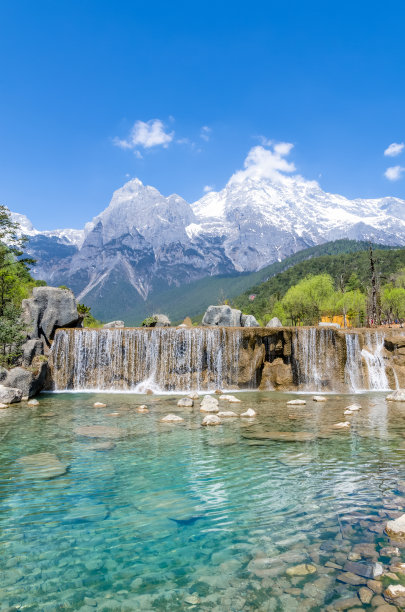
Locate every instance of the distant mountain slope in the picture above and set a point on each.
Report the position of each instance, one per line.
(193, 299)
(388, 261)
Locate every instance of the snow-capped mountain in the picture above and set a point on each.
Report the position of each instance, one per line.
(144, 242)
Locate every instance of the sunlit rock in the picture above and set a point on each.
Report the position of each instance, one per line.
(303, 569)
(249, 413)
(171, 418)
(396, 396)
(342, 425)
(143, 409)
(396, 528)
(185, 402)
(211, 419)
(296, 402)
(319, 398)
(230, 398)
(353, 407)
(99, 405)
(227, 414)
(10, 395)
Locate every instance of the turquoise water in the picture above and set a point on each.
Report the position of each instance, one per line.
(177, 517)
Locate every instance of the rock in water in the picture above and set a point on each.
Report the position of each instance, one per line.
(10, 395)
(274, 322)
(99, 431)
(171, 418)
(99, 405)
(185, 402)
(250, 413)
(114, 325)
(230, 398)
(296, 402)
(48, 309)
(228, 414)
(87, 510)
(29, 383)
(223, 316)
(33, 402)
(353, 407)
(396, 396)
(249, 321)
(396, 529)
(301, 570)
(319, 398)
(211, 419)
(42, 465)
(209, 404)
(142, 409)
(343, 425)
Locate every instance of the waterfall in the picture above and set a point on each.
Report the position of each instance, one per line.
(160, 359)
(354, 365)
(315, 358)
(374, 359)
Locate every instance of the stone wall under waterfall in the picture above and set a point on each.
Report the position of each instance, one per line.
(209, 358)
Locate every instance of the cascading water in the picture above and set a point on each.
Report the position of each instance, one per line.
(354, 366)
(161, 359)
(373, 357)
(315, 358)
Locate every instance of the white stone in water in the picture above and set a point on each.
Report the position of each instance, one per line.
(209, 399)
(193, 396)
(393, 591)
(99, 405)
(396, 529)
(33, 402)
(296, 402)
(211, 419)
(171, 418)
(319, 398)
(114, 414)
(250, 413)
(353, 407)
(3, 406)
(342, 425)
(348, 412)
(185, 402)
(396, 396)
(230, 398)
(211, 408)
(227, 414)
(143, 408)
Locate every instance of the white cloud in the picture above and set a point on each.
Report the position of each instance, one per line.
(264, 162)
(146, 134)
(394, 149)
(394, 173)
(205, 133)
(208, 188)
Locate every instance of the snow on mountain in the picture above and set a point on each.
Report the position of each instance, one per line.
(68, 236)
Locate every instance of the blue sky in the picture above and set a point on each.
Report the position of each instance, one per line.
(76, 76)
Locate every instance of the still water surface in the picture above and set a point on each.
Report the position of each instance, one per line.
(167, 517)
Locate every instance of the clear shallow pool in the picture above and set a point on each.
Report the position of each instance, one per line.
(168, 516)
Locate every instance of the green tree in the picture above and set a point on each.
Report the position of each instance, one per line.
(393, 302)
(308, 299)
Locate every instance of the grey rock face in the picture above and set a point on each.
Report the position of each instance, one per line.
(223, 316)
(162, 320)
(30, 349)
(114, 325)
(47, 310)
(249, 321)
(274, 322)
(9, 395)
(26, 381)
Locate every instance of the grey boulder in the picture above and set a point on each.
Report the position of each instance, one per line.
(9, 395)
(29, 383)
(249, 321)
(48, 309)
(223, 316)
(162, 320)
(274, 322)
(114, 325)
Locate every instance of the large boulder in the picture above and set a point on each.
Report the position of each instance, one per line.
(157, 320)
(274, 322)
(223, 316)
(397, 396)
(48, 309)
(114, 325)
(29, 382)
(9, 395)
(249, 321)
